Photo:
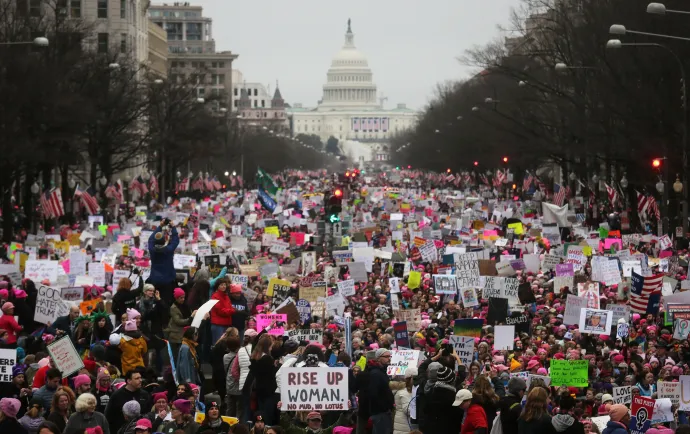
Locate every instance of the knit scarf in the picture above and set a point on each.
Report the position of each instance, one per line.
(192, 350)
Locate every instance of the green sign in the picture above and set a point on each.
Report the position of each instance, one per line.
(569, 373)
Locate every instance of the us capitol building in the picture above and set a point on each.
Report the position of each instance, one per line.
(350, 109)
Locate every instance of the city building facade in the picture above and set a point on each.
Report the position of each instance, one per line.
(158, 50)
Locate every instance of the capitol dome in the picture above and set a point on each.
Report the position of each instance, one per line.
(349, 80)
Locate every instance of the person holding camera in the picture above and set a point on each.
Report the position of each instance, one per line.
(162, 249)
(125, 297)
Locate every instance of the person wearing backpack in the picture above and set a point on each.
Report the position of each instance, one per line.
(240, 371)
(232, 383)
(510, 408)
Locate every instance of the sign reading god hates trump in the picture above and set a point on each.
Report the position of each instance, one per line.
(314, 389)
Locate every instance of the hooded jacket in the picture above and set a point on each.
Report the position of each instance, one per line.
(162, 268)
(222, 312)
(565, 423)
(133, 347)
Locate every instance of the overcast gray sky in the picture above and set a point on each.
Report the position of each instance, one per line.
(411, 44)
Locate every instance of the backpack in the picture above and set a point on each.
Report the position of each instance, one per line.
(235, 367)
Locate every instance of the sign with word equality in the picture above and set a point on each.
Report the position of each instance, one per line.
(8, 358)
(641, 413)
(401, 360)
(49, 305)
(569, 373)
(65, 356)
(464, 348)
(314, 389)
(622, 395)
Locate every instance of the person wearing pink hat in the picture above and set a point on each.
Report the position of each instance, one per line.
(10, 325)
(181, 316)
(9, 407)
(181, 418)
(82, 384)
(533, 366)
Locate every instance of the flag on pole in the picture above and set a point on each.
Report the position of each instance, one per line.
(198, 184)
(153, 186)
(51, 204)
(264, 180)
(527, 182)
(613, 194)
(87, 198)
(645, 293)
(653, 208)
(46, 207)
(560, 193)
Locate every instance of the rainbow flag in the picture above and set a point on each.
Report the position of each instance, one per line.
(468, 327)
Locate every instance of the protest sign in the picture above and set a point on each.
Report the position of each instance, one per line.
(314, 389)
(573, 308)
(468, 327)
(532, 377)
(504, 335)
(569, 373)
(401, 360)
(8, 358)
(240, 279)
(595, 321)
(413, 318)
(346, 288)
(304, 310)
(202, 311)
(49, 305)
(277, 286)
(619, 311)
(97, 273)
(670, 390)
(684, 393)
(464, 348)
(308, 335)
(589, 291)
(469, 297)
(274, 323)
(65, 356)
(622, 395)
(641, 413)
(39, 271)
(466, 270)
(445, 284)
(601, 422)
(402, 338)
(662, 411)
(72, 294)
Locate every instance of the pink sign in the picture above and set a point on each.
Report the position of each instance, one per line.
(493, 233)
(274, 322)
(608, 242)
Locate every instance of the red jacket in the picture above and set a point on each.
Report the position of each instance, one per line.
(221, 312)
(476, 418)
(9, 324)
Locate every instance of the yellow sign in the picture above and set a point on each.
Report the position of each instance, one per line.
(275, 282)
(414, 280)
(272, 230)
(74, 240)
(199, 418)
(516, 227)
(125, 250)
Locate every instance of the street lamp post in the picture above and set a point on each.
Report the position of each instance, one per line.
(616, 43)
(39, 42)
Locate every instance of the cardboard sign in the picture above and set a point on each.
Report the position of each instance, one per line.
(466, 270)
(402, 337)
(569, 373)
(65, 356)
(308, 335)
(278, 286)
(573, 308)
(346, 288)
(595, 321)
(670, 390)
(314, 389)
(622, 395)
(8, 358)
(72, 294)
(641, 414)
(401, 360)
(39, 271)
(49, 305)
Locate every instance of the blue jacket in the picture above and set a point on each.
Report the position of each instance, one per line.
(162, 268)
(186, 371)
(614, 428)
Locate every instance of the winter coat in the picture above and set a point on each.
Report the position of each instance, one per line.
(45, 395)
(380, 395)
(125, 299)
(244, 361)
(162, 268)
(177, 324)
(221, 312)
(264, 372)
(10, 325)
(290, 428)
(61, 323)
(222, 428)
(475, 419)
(133, 347)
(615, 428)
(79, 421)
(113, 412)
(540, 425)
(510, 409)
(239, 317)
(171, 426)
(153, 313)
(490, 409)
(186, 368)
(11, 425)
(439, 405)
(402, 411)
(31, 424)
(566, 424)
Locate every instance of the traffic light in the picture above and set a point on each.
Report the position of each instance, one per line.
(656, 163)
(334, 206)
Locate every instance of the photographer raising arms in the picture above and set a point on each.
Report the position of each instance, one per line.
(162, 249)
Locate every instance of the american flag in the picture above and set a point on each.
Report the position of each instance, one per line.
(613, 194)
(208, 183)
(51, 204)
(182, 185)
(499, 178)
(527, 182)
(653, 208)
(139, 184)
(198, 184)
(153, 186)
(450, 178)
(114, 192)
(645, 293)
(560, 193)
(88, 199)
(484, 179)
(217, 183)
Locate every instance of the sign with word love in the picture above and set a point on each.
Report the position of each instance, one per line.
(314, 389)
(622, 395)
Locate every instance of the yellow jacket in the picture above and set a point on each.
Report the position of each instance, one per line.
(133, 350)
